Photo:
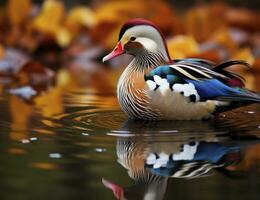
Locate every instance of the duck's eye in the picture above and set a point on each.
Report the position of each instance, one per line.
(132, 38)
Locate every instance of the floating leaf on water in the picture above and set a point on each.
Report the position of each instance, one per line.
(35, 73)
(25, 92)
(43, 165)
(17, 151)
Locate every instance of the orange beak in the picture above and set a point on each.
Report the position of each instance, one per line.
(117, 51)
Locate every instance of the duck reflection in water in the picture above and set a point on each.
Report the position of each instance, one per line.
(152, 153)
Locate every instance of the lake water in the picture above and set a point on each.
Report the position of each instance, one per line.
(64, 141)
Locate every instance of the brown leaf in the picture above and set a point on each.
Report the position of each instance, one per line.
(34, 73)
(212, 55)
(202, 21)
(2, 52)
(243, 18)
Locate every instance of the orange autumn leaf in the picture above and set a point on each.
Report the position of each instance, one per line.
(181, 46)
(224, 38)
(2, 51)
(16, 151)
(44, 166)
(212, 55)
(243, 18)
(202, 21)
(18, 11)
(244, 54)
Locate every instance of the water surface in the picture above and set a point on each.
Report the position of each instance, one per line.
(62, 142)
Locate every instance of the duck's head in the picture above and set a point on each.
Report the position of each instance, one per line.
(139, 37)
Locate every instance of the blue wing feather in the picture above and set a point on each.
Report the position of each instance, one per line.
(212, 89)
(208, 83)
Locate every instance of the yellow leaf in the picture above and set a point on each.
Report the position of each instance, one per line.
(63, 37)
(81, 16)
(244, 54)
(116, 10)
(181, 46)
(18, 10)
(224, 38)
(50, 18)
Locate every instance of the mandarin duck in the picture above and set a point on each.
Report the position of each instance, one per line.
(154, 87)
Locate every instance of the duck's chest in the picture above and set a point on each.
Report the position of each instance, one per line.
(133, 96)
(141, 100)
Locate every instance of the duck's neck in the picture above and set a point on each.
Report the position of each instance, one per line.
(131, 89)
(148, 61)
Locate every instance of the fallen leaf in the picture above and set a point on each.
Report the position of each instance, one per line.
(25, 92)
(34, 73)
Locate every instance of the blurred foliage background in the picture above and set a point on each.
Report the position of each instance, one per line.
(39, 38)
